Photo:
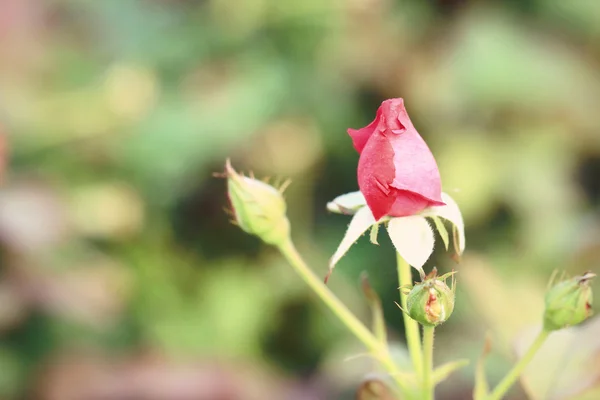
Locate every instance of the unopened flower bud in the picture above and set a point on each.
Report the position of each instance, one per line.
(569, 302)
(258, 207)
(431, 302)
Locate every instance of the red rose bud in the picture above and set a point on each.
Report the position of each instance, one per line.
(397, 173)
(431, 302)
(568, 302)
(259, 208)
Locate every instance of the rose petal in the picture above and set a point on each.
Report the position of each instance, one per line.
(395, 116)
(415, 167)
(375, 173)
(413, 238)
(362, 135)
(408, 203)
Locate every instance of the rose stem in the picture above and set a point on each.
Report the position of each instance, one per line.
(411, 327)
(378, 350)
(428, 386)
(512, 376)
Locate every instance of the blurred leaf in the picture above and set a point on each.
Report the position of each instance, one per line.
(566, 366)
(592, 394)
(500, 303)
(476, 66)
(379, 327)
(581, 16)
(111, 210)
(181, 136)
(482, 387)
(13, 372)
(442, 372)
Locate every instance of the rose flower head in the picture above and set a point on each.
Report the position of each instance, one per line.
(397, 173)
(400, 187)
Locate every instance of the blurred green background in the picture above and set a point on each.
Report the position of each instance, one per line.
(120, 275)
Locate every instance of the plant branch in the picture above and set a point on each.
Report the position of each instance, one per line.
(512, 376)
(378, 350)
(428, 385)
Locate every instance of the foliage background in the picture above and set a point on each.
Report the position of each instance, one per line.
(120, 276)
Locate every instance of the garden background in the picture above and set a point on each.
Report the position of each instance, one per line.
(120, 274)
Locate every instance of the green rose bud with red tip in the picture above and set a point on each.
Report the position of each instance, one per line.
(568, 302)
(431, 302)
(258, 208)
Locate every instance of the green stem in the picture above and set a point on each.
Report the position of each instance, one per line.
(378, 349)
(428, 386)
(411, 327)
(509, 380)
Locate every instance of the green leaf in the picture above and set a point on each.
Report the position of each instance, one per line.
(456, 243)
(374, 232)
(442, 372)
(376, 310)
(482, 387)
(450, 212)
(439, 225)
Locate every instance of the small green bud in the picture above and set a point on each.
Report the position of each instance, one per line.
(259, 208)
(569, 302)
(431, 302)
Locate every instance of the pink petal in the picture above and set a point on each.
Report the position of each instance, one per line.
(408, 203)
(395, 116)
(376, 173)
(397, 173)
(362, 135)
(415, 168)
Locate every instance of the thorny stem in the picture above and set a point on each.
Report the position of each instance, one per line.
(411, 327)
(377, 349)
(512, 376)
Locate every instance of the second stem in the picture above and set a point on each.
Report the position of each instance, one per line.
(411, 327)
(513, 375)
